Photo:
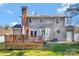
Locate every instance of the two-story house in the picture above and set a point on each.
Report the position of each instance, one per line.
(35, 30)
(50, 27)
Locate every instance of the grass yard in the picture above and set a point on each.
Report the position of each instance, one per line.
(49, 50)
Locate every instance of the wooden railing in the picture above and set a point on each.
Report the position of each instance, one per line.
(22, 42)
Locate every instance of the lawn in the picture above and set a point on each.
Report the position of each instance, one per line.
(49, 50)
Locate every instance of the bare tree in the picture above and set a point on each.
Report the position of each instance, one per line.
(6, 26)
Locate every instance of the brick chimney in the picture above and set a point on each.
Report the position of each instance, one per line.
(25, 27)
(24, 15)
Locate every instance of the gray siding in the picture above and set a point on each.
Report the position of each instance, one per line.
(50, 23)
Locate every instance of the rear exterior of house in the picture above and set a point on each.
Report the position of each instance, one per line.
(35, 30)
(50, 27)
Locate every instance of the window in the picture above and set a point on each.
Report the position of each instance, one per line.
(58, 31)
(41, 20)
(35, 33)
(57, 20)
(31, 33)
(29, 19)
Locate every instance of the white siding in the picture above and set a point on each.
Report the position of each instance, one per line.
(76, 36)
(2, 38)
(69, 36)
(17, 31)
(51, 24)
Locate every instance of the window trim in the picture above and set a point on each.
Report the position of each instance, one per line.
(57, 20)
(58, 31)
(41, 20)
(29, 20)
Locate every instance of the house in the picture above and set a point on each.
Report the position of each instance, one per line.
(35, 30)
(49, 27)
(17, 29)
(72, 33)
(76, 34)
(3, 32)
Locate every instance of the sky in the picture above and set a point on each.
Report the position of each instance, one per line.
(10, 12)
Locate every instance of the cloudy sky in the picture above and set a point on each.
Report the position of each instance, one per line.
(10, 13)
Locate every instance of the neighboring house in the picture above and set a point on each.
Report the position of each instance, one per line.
(17, 29)
(3, 32)
(70, 33)
(76, 34)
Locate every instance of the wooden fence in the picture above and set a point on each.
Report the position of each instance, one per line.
(22, 42)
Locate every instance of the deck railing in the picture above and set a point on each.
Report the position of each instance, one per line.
(23, 42)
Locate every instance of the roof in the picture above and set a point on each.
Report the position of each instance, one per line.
(45, 15)
(76, 30)
(69, 26)
(17, 26)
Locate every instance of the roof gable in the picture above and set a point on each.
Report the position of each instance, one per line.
(17, 26)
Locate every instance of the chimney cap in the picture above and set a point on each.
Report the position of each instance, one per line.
(24, 7)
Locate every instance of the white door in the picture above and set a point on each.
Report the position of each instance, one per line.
(76, 37)
(69, 36)
(2, 39)
(47, 34)
(44, 32)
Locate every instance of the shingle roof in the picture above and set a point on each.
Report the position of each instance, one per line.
(46, 16)
(17, 26)
(70, 26)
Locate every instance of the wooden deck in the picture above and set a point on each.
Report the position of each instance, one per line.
(21, 42)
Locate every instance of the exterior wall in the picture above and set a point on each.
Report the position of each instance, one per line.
(76, 36)
(17, 31)
(69, 36)
(49, 24)
(70, 33)
(3, 32)
(2, 38)
(58, 26)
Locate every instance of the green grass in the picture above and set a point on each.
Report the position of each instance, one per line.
(49, 50)
(2, 45)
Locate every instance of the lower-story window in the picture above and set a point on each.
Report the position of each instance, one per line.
(58, 31)
(35, 33)
(31, 33)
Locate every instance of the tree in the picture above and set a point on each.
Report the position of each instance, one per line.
(6, 26)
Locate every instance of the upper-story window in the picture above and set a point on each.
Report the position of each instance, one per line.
(57, 20)
(58, 31)
(29, 20)
(41, 20)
